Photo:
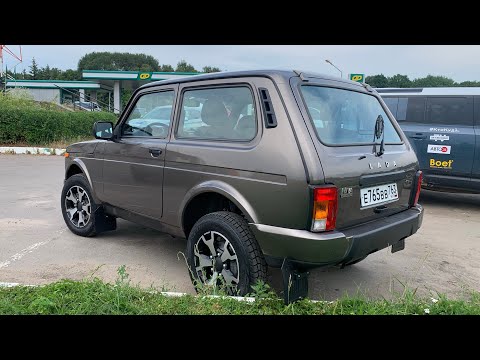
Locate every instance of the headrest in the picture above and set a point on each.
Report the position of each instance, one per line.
(214, 112)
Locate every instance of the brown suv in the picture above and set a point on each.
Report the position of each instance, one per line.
(253, 168)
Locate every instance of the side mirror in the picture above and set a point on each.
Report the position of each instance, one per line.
(103, 130)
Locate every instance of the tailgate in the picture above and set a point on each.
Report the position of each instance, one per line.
(369, 187)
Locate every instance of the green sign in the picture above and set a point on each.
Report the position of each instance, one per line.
(357, 77)
(144, 76)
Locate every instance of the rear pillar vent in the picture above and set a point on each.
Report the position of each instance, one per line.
(268, 113)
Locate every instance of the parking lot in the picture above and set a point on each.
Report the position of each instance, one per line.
(37, 248)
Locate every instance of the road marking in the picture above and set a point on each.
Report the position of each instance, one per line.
(28, 250)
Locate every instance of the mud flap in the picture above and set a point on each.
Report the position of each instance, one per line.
(399, 245)
(295, 283)
(104, 222)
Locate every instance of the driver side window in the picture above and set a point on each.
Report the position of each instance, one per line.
(150, 116)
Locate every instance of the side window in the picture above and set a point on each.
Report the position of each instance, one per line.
(415, 109)
(402, 109)
(450, 111)
(477, 111)
(392, 104)
(150, 116)
(226, 113)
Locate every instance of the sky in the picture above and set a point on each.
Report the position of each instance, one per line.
(459, 62)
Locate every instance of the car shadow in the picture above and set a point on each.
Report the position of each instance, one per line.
(458, 200)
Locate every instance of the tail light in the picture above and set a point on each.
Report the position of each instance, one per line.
(419, 178)
(324, 208)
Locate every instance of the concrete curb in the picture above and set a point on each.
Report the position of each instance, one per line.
(15, 150)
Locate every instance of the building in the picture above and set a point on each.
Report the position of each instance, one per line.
(95, 81)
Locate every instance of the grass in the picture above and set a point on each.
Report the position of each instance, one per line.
(94, 296)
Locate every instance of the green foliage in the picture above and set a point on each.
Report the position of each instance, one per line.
(403, 81)
(118, 61)
(25, 121)
(210, 69)
(433, 81)
(34, 70)
(378, 81)
(166, 68)
(183, 66)
(94, 296)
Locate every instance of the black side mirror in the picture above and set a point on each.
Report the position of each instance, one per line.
(103, 130)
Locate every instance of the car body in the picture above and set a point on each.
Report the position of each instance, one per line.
(87, 105)
(443, 127)
(257, 179)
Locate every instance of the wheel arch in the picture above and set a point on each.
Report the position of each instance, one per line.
(219, 188)
(78, 167)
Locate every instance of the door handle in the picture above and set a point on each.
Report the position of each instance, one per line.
(155, 152)
(379, 209)
(418, 137)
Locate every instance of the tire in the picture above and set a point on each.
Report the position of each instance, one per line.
(241, 262)
(75, 185)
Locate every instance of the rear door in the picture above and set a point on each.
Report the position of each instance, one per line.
(370, 185)
(450, 136)
(440, 129)
(476, 160)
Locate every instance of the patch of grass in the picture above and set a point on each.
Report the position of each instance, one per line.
(94, 296)
(26, 122)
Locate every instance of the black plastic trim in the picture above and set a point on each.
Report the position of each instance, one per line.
(268, 112)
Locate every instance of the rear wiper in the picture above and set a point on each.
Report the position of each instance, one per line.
(379, 132)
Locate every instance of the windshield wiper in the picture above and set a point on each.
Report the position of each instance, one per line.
(379, 132)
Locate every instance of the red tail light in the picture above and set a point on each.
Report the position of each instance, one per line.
(325, 204)
(419, 186)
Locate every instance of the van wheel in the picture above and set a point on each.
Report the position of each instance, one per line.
(222, 252)
(78, 207)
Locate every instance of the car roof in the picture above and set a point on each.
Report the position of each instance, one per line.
(278, 76)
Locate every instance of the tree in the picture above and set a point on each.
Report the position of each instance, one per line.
(400, 81)
(167, 68)
(433, 81)
(210, 69)
(71, 75)
(118, 61)
(469, 83)
(183, 66)
(34, 70)
(378, 81)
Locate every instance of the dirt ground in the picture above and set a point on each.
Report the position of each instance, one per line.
(37, 248)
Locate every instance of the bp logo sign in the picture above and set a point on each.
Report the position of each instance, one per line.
(357, 77)
(144, 76)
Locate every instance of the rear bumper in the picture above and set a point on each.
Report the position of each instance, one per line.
(335, 247)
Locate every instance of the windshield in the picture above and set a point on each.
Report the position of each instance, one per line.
(343, 117)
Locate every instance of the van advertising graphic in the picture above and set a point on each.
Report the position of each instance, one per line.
(438, 149)
(439, 164)
(439, 137)
(450, 130)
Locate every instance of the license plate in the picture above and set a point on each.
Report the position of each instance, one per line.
(378, 194)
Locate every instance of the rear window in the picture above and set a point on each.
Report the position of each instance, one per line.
(344, 117)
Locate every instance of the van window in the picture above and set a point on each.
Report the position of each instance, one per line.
(415, 109)
(392, 104)
(450, 111)
(402, 109)
(343, 117)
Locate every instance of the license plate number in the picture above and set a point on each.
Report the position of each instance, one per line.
(378, 194)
